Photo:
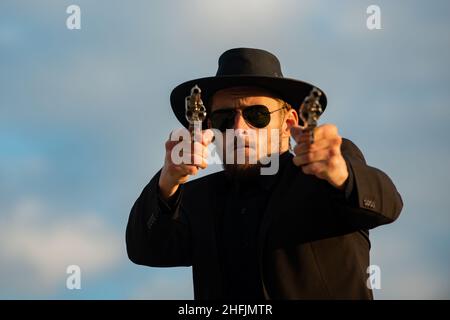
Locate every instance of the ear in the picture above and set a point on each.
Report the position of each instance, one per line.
(291, 120)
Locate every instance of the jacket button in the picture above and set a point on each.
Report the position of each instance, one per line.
(369, 203)
(243, 210)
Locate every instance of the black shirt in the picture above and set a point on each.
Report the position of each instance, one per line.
(238, 230)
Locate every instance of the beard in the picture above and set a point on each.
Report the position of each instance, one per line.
(245, 171)
(242, 172)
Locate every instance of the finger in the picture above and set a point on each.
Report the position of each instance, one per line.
(199, 161)
(335, 148)
(297, 132)
(194, 159)
(200, 149)
(207, 137)
(184, 170)
(305, 137)
(170, 144)
(189, 147)
(305, 147)
(325, 131)
(180, 134)
(184, 150)
(318, 169)
(335, 162)
(310, 157)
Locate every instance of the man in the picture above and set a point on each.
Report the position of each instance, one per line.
(301, 233)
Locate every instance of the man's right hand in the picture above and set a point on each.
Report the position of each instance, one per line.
(172, 175)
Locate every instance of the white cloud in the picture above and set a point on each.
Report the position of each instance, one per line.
(37, 243)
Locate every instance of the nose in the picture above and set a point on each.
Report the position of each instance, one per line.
(239, 122)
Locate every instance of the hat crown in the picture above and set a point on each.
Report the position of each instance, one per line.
(248, 61)
(240, 67)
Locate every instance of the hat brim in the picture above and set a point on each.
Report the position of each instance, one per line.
(290, 90)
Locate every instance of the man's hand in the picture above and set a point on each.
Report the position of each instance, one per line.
(323, 158)
(172, 175)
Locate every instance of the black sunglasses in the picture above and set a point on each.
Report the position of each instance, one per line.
(257, 116)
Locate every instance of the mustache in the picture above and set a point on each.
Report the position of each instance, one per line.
(241, 140)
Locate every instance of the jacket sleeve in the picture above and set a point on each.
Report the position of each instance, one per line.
(370, 198)
(158, 233)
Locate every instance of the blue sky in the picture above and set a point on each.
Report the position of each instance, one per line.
(84, 115)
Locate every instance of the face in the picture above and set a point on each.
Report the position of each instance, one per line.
(250, 139)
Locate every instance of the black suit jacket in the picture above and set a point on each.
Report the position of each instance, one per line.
(313, 240)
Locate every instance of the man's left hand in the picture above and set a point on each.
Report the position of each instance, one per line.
(323, 158)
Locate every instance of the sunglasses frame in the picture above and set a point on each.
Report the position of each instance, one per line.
(235, 110)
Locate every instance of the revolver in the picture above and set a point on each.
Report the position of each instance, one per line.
(195, 110)
(310, 111)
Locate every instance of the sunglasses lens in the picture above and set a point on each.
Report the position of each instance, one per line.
(222, 119)
(257, 116)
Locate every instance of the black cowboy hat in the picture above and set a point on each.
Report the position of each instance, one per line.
(244, 67)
